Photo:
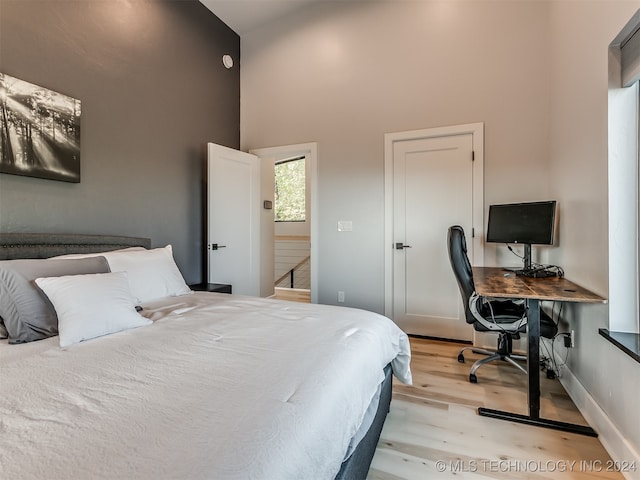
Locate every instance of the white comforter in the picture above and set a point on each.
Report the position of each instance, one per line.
(218, 387)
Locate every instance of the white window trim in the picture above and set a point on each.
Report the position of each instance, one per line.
(623, 200)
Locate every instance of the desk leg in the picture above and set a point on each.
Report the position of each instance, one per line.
(533, 357)
(533, 374)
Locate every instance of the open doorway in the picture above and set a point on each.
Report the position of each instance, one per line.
(295, 222)
(292, 230)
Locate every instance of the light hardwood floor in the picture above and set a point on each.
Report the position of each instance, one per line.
(293, 294)
(433, 430)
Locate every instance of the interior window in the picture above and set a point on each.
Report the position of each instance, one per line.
(290, 190)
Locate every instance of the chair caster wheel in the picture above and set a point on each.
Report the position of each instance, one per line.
(473, 378)
(461, 358)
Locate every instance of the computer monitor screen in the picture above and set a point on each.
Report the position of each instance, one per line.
(529, 223)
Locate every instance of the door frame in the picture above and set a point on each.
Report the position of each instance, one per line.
(310, 151)
(476, 245)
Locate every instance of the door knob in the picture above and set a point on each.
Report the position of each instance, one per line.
(400, 246)
(215, 246)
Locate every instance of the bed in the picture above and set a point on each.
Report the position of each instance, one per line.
(196, 385)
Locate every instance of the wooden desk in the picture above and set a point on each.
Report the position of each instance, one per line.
(499, 283)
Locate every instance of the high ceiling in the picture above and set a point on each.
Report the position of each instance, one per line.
(245, 15)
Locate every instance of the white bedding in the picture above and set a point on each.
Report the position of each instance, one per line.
(218, 387)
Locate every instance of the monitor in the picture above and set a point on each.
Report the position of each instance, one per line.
(526, 223)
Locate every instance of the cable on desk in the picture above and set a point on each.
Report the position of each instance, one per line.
(556, 270)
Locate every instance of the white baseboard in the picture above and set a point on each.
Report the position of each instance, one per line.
(611, 438)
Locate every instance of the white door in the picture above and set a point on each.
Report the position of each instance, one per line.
(234, 205)
(433, 188)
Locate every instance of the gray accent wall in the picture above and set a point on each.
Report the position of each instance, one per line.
(154, 90)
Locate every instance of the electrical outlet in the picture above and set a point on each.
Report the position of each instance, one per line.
(570, 339)
(341, 297)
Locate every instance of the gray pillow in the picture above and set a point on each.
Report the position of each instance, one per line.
(25, 310)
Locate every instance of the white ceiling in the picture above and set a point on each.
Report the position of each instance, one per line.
(245, 15)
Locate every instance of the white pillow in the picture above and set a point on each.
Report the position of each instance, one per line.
(92, 305)
(153, 274)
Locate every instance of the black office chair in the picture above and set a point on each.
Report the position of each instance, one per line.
(507, 318)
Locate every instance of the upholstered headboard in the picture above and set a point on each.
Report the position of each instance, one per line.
(44, 245)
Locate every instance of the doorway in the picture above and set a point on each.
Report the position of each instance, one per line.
(433, 179)
(294, 258)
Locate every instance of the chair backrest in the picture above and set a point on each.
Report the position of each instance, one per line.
(461, 266)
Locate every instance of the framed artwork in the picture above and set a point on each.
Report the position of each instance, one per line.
(39, 131)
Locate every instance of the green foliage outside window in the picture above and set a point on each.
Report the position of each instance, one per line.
(290, 191)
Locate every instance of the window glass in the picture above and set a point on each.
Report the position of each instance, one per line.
(290, 191)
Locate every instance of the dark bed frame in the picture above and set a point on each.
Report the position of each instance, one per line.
(357, 466)
(44, 245)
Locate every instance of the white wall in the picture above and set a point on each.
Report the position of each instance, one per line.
(581, 33)
(345, 73)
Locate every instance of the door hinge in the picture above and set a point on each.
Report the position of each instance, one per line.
(473, 156)
(473, 232)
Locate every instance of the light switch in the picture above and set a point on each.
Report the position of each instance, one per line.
(345, 225)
